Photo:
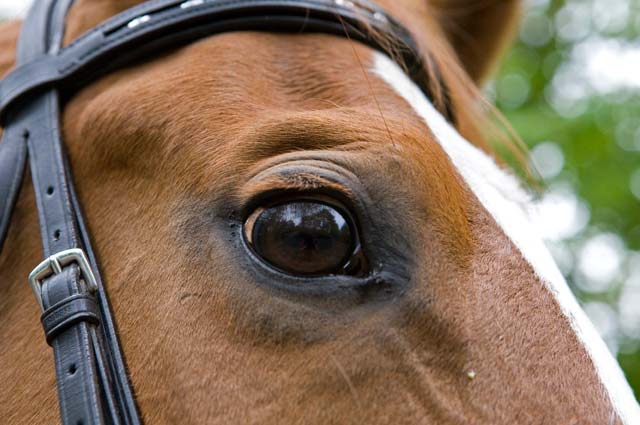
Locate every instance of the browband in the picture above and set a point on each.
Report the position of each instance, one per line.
(156, 25)
(92, 381)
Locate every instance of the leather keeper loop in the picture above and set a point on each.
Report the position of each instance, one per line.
(77, 308)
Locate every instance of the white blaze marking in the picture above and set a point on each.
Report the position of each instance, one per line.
(503, 197)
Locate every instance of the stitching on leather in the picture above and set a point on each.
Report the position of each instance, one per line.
(181, 13)
(185, 14)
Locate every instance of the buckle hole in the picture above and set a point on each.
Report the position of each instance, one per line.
(72, 369)
(56, 235)
(50, 190)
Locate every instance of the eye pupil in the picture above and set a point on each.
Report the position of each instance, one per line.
(303, 237)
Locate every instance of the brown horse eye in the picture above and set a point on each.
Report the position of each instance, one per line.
(302, 237)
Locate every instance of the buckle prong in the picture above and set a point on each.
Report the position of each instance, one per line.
(55, 264)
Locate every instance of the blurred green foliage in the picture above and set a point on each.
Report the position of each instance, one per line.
(568, 82)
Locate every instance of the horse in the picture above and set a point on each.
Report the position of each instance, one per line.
(192, 164)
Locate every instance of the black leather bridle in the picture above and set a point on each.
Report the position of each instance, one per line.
(92, 381)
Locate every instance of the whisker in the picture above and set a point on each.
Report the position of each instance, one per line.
(366, 77)
(352, 388)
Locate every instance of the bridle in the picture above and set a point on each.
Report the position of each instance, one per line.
(92, 381)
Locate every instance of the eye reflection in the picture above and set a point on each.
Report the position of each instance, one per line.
(302, 237)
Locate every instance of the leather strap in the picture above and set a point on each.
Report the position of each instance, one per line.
(76, 374)
(91, 377)
(13, 148)
(159, 24)
(70, 310)
(13, 157)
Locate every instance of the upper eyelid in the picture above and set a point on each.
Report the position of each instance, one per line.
(304, 173)
(305, 182)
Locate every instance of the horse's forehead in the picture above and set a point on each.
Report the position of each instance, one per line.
(232, 78)
(254, 96)
(316, 88)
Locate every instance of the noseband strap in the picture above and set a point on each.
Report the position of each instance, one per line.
(93, 385)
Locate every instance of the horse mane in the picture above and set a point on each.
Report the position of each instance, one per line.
(478, 119)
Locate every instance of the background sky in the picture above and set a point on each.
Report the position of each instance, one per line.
(571, 89)
(10, 8)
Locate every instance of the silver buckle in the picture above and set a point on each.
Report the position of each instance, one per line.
(54, 265)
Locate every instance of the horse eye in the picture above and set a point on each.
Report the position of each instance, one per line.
(303, 238)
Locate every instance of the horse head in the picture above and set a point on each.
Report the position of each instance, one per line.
(290, 231)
